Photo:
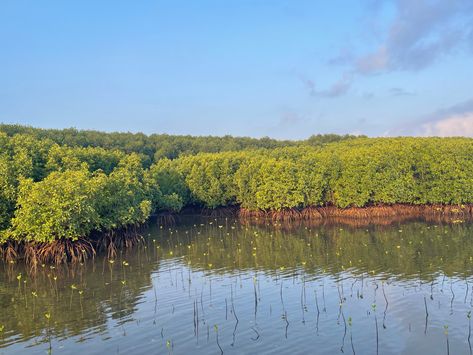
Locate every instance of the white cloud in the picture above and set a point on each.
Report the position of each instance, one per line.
(456, 125)
(455, 120)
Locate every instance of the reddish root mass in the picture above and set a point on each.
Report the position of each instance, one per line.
(370, 213)
(56, 252)
(64, 251)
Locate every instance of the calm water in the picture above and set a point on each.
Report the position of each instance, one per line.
(207, 286)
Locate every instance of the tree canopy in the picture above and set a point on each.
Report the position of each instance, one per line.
(68, 184)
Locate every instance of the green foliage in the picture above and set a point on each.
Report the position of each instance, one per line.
(170, 202)
(61, 158)
(7, 192)
(68, 183)
(267, 183)
(21, 156)
(167, 186)
(29, 156)
(123, 198)
(355, 172)
(248, 182)
(158, 146)
(74, 203)
(322, 139)
(59, 207)
(210, 178)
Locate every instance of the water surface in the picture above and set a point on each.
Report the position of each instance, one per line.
(210, 285)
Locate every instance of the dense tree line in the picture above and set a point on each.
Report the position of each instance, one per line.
(353, 173)
(157, 146)
(52, 189)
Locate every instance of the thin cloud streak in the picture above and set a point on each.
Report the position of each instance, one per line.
(339, 88)
(395, 91)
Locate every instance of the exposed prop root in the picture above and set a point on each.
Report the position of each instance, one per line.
(382, 214)
(106, 243)
(9, 251)
(114, 241)
(65, 251)
(166, 219)
(57, 252)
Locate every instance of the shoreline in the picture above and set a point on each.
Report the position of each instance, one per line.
(447, 212)
(66, 251)
(379, 211)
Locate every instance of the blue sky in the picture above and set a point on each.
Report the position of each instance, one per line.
(280, 68)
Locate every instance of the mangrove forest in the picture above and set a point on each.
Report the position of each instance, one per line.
(66, 194)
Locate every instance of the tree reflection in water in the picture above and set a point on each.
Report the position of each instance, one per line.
(258, 287)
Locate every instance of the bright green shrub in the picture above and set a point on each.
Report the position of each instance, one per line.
(123, 198)
(210, 178)
(61, 158)
(59, 207)
(7, 192)
(167, 186)
(247, 182)
(279, 185)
